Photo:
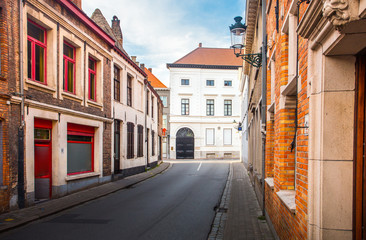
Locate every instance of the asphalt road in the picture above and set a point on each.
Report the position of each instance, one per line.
(178, 204)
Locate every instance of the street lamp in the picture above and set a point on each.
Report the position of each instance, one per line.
(238, 31)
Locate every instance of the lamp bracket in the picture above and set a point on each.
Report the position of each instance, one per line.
(254, 59)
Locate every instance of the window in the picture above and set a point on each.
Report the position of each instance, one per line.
(228, 83)
(1, 153)
(152, 107)
(140, 141)
(185, 107)
(130, 140)
(92, 78)
(210, 106)
(164, 99)
(117, 148)
(36, 52)
(227, 136)
(210, 83)
(80, 149)
(165, 121)
(184, 82)
(69, 68)
(210, 136)
(147, 103)
(153, 143)
(129, 90)
(117, 83)
(227, 108)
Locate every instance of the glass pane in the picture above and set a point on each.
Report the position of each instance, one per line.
(79, 138)
(29, 59)
(91, 64)
(40, 70)
(64, 82)
(68, 51)
(79, 157)
(70, 77)
(35, 32)
(41, 134)
(116, 144)
(92, 86)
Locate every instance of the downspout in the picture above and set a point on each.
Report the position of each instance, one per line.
(264, 99)
(21, 193)
(145, 100)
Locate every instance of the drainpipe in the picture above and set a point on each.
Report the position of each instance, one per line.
(264, 99)
(21, 193)
(145, 86)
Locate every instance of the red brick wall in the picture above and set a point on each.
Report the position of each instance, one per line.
(280, 160)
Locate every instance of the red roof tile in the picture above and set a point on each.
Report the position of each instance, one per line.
(154, 81)
(211, 56)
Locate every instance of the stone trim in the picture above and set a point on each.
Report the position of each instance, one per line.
(288, 199)
(80, 176)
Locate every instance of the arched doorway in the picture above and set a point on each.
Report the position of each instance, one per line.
(185, 143)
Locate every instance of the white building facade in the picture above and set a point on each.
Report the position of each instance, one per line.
(205, 101)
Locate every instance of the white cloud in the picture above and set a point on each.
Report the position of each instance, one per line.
(159, 31)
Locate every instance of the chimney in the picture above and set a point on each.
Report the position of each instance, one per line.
(150, 70)
(200, 45)
(77, 3)
(142, 66)
(116, 29)
(133, 58)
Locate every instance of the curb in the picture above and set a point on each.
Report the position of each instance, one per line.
(17, 218)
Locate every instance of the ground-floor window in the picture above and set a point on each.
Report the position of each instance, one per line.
(153, 143)
(210, 136)
(227, 136)
(130, 140)
(80, 149)
(140, 141)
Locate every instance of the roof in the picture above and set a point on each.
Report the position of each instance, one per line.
(209, 58)
(154, 81)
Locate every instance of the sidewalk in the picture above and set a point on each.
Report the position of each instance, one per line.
(23, 216)
(237, 216)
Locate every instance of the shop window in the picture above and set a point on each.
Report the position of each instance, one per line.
(153, 143)
(129, 90)
(80, 149)
(37, 46)
(117, 83)
(185, 106)
(130, 140)
(210, 107)
(210, 136)
(227, 107)
(227, 136)
(92, 71)
(69, 68)
(140, 141)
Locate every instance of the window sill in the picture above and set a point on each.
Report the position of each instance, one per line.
(270, 182)
(290, 88)
(95, 104)
(80, 176)
(288, 198)
(39, 86)
(71, 96)
(271, 107)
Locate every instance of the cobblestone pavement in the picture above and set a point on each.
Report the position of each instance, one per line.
(239, 211)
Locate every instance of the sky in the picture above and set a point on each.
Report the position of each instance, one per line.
(162, 31)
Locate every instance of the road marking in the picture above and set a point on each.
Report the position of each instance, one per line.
(199, 166)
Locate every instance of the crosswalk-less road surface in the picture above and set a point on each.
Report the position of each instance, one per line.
(178, 204)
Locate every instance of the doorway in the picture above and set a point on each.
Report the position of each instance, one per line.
(359, 168)
(43, 158)
(185, 144)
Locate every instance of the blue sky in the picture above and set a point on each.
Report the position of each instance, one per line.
(162, 31)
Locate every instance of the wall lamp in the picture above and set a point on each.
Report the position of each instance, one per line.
(238, 31)
(237, 126)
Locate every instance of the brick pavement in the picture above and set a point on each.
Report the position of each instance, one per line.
(241, 219)
(23, 216)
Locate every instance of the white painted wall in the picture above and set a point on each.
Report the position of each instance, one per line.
(197, 92)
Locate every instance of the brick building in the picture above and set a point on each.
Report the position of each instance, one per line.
(66, 66)
(314, 127)
(9, 64)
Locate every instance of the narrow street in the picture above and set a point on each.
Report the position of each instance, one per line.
(178, 204)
